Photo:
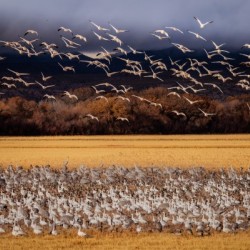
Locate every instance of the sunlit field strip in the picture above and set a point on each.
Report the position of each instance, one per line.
(230, 137)
(128, 241)
(177, 151)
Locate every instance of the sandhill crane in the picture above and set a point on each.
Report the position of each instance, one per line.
(45, 78)
(117, 31)
(202, 25)
(206, 114)
(71, 96)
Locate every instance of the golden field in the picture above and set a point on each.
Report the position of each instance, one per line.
(210, 151)
(174, 150)
(238, 241)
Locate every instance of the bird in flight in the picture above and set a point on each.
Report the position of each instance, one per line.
(65, 30)
(30, 32)
(80, 37)
(102, 97)
(49, 97)
(214, 86)
(98, 26)
(117, 31)
(123, 119)
(92, 117)
(202, 25)
(71, 96)
(174, 29)
(179, 113)
(67, 68)
(45, 78)
(17, 73)
(43, 86)
(192, 102)
(206, 114)
(197, 35)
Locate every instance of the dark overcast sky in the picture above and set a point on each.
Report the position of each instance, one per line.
(231, 19)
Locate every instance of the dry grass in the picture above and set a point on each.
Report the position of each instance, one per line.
(128, 241)
(182, 151)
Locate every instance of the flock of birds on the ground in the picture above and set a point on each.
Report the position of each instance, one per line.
(186, 71)
(193, 201)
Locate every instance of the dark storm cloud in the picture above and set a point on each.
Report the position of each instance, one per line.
(231, 19)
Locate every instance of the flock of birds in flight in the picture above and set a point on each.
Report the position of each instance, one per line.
(115, 199)
(103, 60)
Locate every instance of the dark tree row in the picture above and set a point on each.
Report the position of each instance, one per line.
(19, 116)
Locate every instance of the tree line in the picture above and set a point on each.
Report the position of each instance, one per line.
(20, 116)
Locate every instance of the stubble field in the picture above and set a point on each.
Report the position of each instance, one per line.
(210, 151)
